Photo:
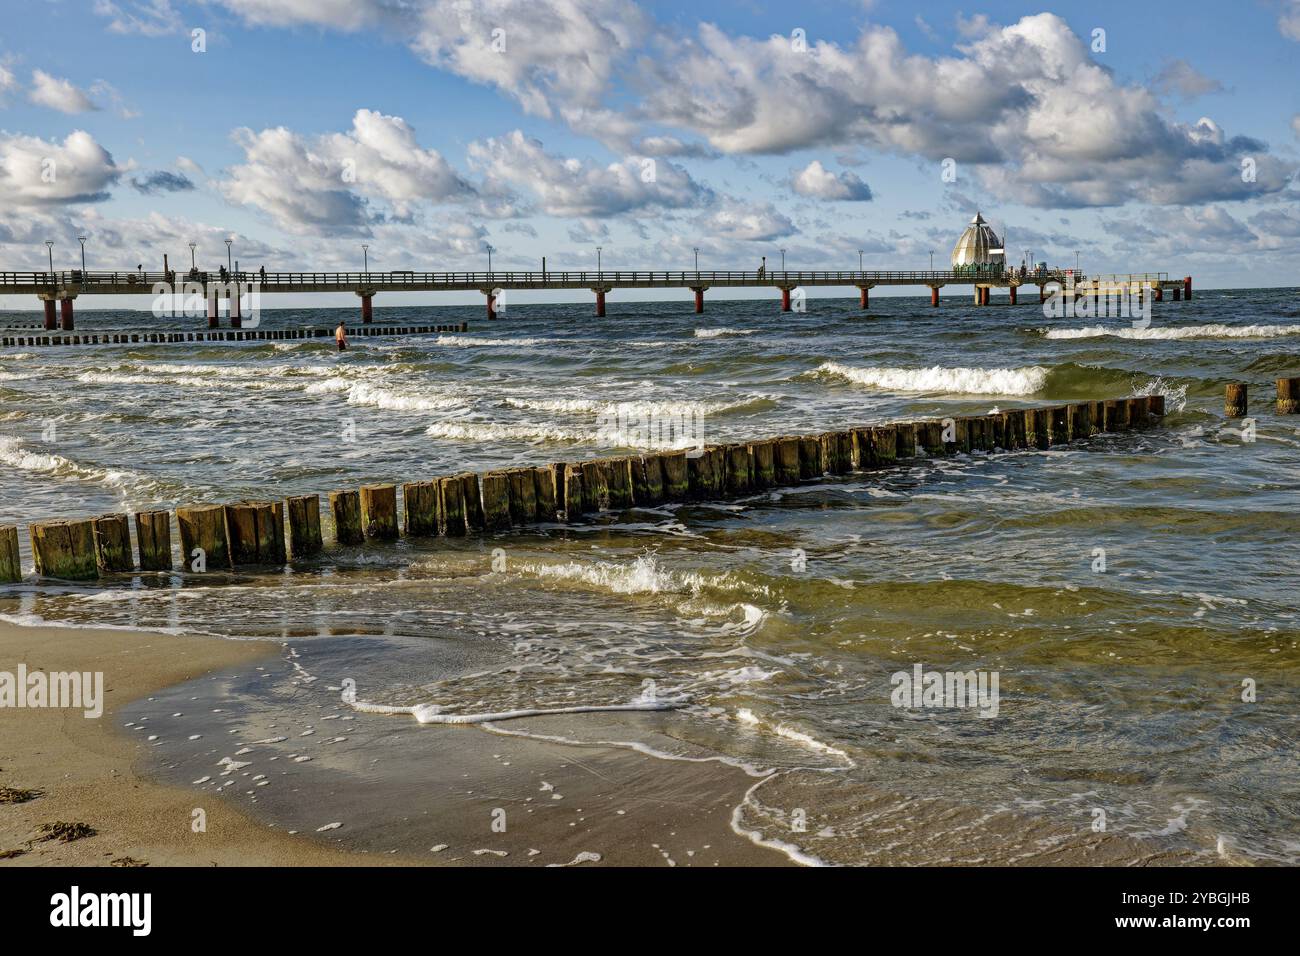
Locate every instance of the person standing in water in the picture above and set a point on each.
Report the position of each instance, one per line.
(341, 336)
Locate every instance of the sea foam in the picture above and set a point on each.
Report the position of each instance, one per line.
(952, 381)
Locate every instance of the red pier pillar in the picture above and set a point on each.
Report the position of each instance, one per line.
(1159, 293)
(65, 315)
(1187, 288)
(699, 301)
(367, 308)
(214, 315)
(785, 300)
(600, 303)
(491, 306)
(236, 320)
(1042, 293)
(934, 296)
(1178, 293)
(862, 298)
(1011, 292)
(51, 323)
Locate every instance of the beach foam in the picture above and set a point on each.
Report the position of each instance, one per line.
(1215, 330)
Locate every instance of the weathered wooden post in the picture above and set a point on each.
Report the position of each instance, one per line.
(1288, 396)
(420, 509)
(255, 532)
(346, 508)
(707, 473)
(738, 480)
(788, 468)
(884, 445)
(523, 496)
(203, 527)
(1234, 400)
(304, 526)
(906, 441)
(961, 436)
(379, 511)
(1156, 407)
(931, 435)
(153, 534)
(1060, 424)
(575, 502)
(837, 452)
(64, 549)
(472, 495)
(544, 496)
(762, 456)
(677, 482)
(450, 495)
(1080, 415)
(595, 486)
(496, 500)
(619, 476)
(11, 568)
(1137, 411)
(113, 542)
(811, 462)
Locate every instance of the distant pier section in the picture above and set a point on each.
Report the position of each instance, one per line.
(58, 290)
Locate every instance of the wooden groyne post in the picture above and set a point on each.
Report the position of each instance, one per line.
(1288, 396)
(11, 568)
(1234, 400)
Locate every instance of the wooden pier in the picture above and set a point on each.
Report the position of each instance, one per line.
(224, 537)
(62, 288)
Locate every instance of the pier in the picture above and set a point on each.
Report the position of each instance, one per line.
(58, 290)
(225, 537)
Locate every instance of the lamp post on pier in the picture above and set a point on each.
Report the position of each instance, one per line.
(697, 262)
(230, 266)
(82, 240)
(931, 260)
(490, 250)
(365, 259)
(782, 260)
(193, 267)
(598, 268)
(860, 269)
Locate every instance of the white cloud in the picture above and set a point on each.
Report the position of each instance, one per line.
(58, 94)
(8, 82)
(1288, 20)
(818, 182)
(144, 17)
(733, 219)
(568, 187)
(1295, 125)
(333, 181)
(36, 172)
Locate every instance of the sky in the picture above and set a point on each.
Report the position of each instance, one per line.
(1153, 136)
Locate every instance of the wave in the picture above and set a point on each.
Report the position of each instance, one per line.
(635, 409)
(465, 342)
(14, 453)
(721, 333)
(1215, 330)
(360, 393)
(952, 381)
(522, 431)
(435, 714)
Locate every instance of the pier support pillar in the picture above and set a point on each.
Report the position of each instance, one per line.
(934, 296)
(785, 300)
(1178, 293)
(1011, 293)
(1042, 293)
(367, 307)
(1187, 288)
(600, 303)
(51, 321)
(65, 316)
(863, 298)
(236, 319)
(1158, 293)
(491, 299)
(699, 300)
(214, 316)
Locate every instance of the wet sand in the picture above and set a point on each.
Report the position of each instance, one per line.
(562, 805)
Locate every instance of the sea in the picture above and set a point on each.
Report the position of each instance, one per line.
(1134, 597)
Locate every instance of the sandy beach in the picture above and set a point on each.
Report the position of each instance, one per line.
(92, 771)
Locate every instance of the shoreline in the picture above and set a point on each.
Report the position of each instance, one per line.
(638, 812)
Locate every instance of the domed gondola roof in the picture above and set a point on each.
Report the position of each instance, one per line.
(979, 245)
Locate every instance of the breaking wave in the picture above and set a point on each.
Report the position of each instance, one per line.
(949, 381)
(1214, 330)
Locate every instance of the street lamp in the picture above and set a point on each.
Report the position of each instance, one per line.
(490, 250)
(193, 267)
(365, 258)
(931, 260)
(598, 269)
(82, 240)
(1076, 261)
(859, 260)
(230, 266)
(49, 245)
(782, 260)
(697, 260)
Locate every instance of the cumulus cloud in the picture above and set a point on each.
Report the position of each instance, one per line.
(36, 172)
(58, 94)
(342, 181)
(8, 82)
(1181, 78)
(750, 222)
(569, 187)
(818, 182)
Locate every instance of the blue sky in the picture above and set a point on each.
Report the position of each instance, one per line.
(308, 127)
